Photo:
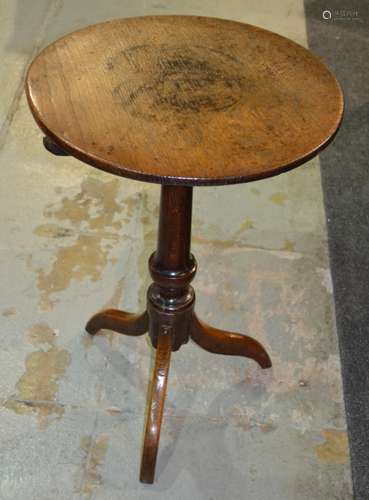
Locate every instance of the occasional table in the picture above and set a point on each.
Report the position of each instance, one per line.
(181, 101)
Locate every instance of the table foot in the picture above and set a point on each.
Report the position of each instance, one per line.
(118, 321)
(234, 344)
(156, 404)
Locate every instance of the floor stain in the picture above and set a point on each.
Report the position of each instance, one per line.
(38, 386)
(267, 427)
(41, 333)
(215, 243)
(245, 225)
(335, 449)
(52, 231)
(95, 452)
(286, 252)
(243, 422)
(279, 198)
(289, 246)
(10, 311)
(83, 259)
(94, 214)
(247, 424)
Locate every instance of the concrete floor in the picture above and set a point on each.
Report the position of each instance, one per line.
(346, 200)
(76, 239)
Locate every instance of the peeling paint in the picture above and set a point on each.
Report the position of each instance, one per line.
(41, 333)
(95, 204)
(83, 259)
(52, 231)
(233, 245)
(38, 386)
(92, 214)
(215, 243)
(335, 449)
(246, 423)
(95, 452)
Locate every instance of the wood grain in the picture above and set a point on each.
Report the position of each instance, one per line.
(118, 321)
(156, 405)
(184, 99)
(233, 344)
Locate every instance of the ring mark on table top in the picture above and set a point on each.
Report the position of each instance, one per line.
(179, 79)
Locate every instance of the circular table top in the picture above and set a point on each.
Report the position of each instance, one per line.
(184, 100)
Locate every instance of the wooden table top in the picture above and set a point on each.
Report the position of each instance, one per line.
(184, 100)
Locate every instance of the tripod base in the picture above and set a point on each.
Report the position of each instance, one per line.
(169, 318)
(207, 337)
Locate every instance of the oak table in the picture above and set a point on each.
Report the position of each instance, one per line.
(182, 101)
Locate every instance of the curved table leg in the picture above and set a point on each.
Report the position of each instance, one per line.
(119, 321)
(234, 344)
(156, 405)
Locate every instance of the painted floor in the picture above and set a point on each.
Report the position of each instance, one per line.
(75, 239)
